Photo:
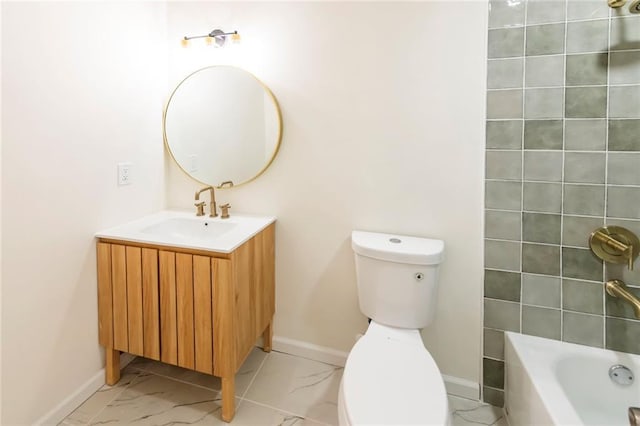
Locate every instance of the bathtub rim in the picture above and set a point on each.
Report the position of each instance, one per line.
(537, 358)
(537, 362)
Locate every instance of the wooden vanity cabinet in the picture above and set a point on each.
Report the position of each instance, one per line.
(195, 309)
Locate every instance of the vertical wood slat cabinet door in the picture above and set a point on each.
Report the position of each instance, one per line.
(105, 295)
(134, 300)
(168, 331)
(258, 280)
(267, 269)
(224, 348)
(184, 294)
(243, 305)
(119, 285)
(264, 266)
(150, 304)
(202, 314)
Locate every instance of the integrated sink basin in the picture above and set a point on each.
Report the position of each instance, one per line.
(185, 229)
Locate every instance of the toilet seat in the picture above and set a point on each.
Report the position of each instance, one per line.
(391, 379)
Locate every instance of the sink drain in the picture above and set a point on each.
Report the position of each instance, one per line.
(621, 375)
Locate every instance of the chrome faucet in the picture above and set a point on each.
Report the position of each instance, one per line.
(212, 202)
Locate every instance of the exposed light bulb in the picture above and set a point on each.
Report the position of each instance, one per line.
(209, 40)
(235, 38)
(184, 42)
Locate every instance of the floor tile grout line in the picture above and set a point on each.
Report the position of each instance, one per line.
(245, 398)
(253, 379)
(262, 404)
(139, 371)
(124, 388)
(178, 380)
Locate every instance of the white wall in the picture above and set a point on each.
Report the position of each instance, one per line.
(383, 110)
(83, 87)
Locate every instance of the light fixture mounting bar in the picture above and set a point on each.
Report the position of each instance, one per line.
(214, 34)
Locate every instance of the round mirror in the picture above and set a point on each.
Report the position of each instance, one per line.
(222, 124)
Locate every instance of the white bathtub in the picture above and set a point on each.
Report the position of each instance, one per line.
(557, 383)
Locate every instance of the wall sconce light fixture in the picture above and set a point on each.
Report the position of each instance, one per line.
(216, 37)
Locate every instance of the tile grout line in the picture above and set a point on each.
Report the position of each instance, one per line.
(606, 175)
(562, 170)
(280, 410)
(522, 147)
(568, 118)
(175, 379)
(573, 86)
(587, 52)
(538, 243)
(572, 215)
(577, 151)
(551, 276)
(124, 388)
(139, 371)
(253, 379)
(566, 19)
(568, 184)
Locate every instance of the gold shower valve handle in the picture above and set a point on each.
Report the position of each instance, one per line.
(616, 3)
(615, 244)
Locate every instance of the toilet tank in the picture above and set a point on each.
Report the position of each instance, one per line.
(397, 277)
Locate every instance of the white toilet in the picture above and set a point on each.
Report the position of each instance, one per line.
(390, 378)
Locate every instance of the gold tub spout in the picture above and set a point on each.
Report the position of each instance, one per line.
(617, 288)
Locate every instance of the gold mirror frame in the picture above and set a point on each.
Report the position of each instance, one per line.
(267, 91)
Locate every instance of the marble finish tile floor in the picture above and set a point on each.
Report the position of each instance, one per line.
(271, 389)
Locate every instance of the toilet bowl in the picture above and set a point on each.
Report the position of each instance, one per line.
(390, 378)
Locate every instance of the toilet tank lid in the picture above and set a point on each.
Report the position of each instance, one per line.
(398, 248)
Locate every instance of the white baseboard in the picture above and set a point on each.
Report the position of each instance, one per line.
(462, 387)
(454, 385)
(309, 350)
(71, 402)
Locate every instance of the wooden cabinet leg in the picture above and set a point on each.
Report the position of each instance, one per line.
(228, 398)
(112, 367)
(267, 337)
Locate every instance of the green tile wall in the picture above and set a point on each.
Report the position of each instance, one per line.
(563, 157)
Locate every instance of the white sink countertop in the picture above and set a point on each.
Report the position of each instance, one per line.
(183, 229)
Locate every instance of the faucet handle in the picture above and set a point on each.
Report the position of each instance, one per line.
(615, 244)
(225, 211)
(200, 208)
